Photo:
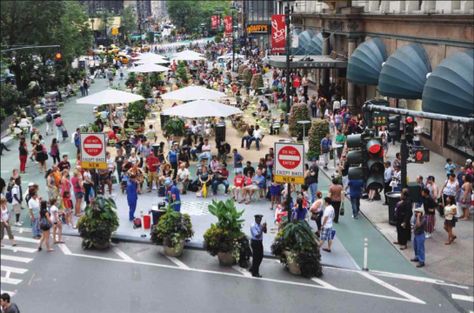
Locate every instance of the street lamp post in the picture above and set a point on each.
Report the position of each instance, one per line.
(288, 38)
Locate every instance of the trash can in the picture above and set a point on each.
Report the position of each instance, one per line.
(146, 221)
(220, 132)
(163, 120)
(157, 212)
(392, 200)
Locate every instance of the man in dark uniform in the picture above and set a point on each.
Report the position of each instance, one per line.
(256, 231)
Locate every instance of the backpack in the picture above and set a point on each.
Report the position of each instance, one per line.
(59, 122)
(49, 117)
(9, 195)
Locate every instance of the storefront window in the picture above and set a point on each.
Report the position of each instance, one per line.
(426, 126)
(460, 137)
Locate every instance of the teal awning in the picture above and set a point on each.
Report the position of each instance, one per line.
(404, 73)
(450, 87)
(299, 50)
(366, 61)
(304, 43)
(316, 45)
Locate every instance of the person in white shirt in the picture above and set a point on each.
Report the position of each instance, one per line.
(326, 224)
(16, 200)
(56, 220)
(183, 177)
(206, 151)
(257, 137)
(5, 221)
(34, 209)
(416, 134)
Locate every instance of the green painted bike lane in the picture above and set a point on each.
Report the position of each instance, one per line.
(382, 255)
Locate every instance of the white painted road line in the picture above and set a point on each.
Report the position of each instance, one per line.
(15, 258)
(122, 254)
(64, 249)
(324, 284)
(11, 281)
(462, 297)
(242, 271)
(26, 239)
(417, 278)
(293, 283)
(21, 229)
(178, 263)
(15, 270)
(19, 249)
(392, 288)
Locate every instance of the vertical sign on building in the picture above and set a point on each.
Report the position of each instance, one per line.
(228, 26)
(278, 33)
(214, 21)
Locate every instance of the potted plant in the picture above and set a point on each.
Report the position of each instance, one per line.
(174, 126)
(297, 247)
(319, 129)
(137, 111)
(225, 238)
(171, 231)
(98, 223)
(298, 112)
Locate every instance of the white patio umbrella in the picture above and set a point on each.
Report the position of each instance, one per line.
(188, 55)
(193, 93)
(110, 96)
(148, 68)
(201, 109)
(150, 58)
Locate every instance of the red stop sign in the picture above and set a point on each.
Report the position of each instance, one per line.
(419, 155)
(92, 145)
(289, 157)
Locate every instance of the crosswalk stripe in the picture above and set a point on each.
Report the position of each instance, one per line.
(15, 270)
(324, 284)
(11, 281)
(178, 262)
(122, 254)
(15, 258)
(26, 239)
(462, 297)
(19, 249)
(21, 229)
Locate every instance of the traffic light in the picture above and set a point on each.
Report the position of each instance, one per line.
(375, 166)
(409, 128)
(356, 156)
(58, 56)
(421, 155)
(394, 127)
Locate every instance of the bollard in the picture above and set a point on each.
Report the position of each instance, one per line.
(366, 247)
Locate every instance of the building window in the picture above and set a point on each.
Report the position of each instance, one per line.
(460, 137)
(426, 126)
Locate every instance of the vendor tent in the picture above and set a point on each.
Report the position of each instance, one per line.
(148, 68)
(110, 96)
(188, 55)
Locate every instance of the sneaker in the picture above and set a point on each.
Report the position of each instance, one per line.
(421, 264)
(17, 224)
(428, 236)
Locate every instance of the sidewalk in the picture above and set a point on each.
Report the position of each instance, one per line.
(454, 262)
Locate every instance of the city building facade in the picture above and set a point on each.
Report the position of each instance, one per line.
(430, 33)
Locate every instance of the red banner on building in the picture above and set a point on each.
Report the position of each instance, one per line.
(215, 21)
(228, 25)
(278, 33)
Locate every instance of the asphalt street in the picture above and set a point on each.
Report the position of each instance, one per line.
(133, 277)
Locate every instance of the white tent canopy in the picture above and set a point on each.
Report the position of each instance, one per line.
(201, 109)
(193, 93)
(148, 68)
(188, 55)
(110, 96)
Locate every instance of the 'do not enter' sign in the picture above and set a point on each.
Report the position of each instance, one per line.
(289, 163)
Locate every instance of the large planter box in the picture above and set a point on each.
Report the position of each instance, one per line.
(225, 258)
(176, 251)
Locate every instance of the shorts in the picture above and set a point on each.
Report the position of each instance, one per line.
(79, 195)
(326, 234)
(275, 191)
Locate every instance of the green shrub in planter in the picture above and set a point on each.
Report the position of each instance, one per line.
(296, 245)
(172, 229)
(98, 223)
(131, 80)
(319, 129)
(145, 88)
(137, 110)
(226, 235)
(247, 77)
(182, 72)
(298, 112)
(174, 126)
(257, 81)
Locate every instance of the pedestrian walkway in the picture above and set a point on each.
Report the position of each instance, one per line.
(453, 263)
(16, 260)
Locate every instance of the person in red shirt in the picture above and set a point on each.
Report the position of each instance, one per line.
(153, 164)
(239, 180)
